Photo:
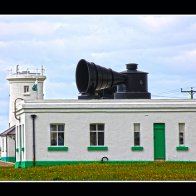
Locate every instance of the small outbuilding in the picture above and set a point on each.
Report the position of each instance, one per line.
(8, 152)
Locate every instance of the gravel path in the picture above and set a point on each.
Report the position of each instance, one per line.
(6, 164)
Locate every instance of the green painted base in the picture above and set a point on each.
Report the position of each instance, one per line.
(16, 165)
(8, 159)
(26, 164)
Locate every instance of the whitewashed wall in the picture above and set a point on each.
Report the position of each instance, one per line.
(118, 120)
(3, 147)
(11, 147)
(16, 90)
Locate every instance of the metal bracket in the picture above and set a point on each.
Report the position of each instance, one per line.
(15, 107)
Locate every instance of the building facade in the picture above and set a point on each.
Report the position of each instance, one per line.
(7, 140)
(20, 88)
(22, 85)
(54, 132)
(130, 127)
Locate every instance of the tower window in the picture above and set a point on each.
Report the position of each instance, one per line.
(26, 89)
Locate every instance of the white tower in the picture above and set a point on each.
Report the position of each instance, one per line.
(20, 88)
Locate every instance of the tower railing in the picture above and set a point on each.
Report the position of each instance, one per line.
(26, 73)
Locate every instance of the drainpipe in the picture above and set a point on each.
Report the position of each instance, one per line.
(33, 116)
(15, 108)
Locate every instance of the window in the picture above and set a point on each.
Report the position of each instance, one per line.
(57, 134)
(181, 133)
(96, 134)
(26, 89)
(136, 134)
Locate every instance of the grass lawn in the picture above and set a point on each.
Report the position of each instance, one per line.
(149, 171)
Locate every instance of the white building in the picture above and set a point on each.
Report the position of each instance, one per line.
(7, 138)
(20, 88)
(70, 131)
(55, 132)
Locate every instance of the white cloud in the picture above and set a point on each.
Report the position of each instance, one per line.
(158, 22)
(36, 28)
(191, 53)
(162, 45)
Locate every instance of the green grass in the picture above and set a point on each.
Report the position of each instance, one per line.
(149, 171)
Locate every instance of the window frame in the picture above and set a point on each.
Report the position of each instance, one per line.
(181, 134)
(137, 130)
(98, 131)
(57, 131)
(26, 88)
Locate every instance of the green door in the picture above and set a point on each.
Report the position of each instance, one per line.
(159, 141)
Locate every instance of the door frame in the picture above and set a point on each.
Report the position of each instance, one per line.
(159, 141)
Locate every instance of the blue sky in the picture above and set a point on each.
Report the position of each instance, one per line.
(162, 45)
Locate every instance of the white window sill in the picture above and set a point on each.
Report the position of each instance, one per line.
(26, 94)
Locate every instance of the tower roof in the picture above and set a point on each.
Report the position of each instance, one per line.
(24, 74)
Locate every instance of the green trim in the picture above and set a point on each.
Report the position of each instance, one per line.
(24, 164)
(16, 165)
(57, 148)
(137, 148)
(97, 148)
(8, 159)
(4, 158)
(182, 148)
(185, 161)
(22, 149)
(17, 150)
(27, 164)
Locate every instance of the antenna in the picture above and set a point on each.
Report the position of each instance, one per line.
(191, 92)
(17, 69)
(42, 72)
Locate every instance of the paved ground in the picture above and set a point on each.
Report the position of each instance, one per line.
(6, 164)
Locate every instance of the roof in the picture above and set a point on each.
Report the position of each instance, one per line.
(10, 131)
(107, 105)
